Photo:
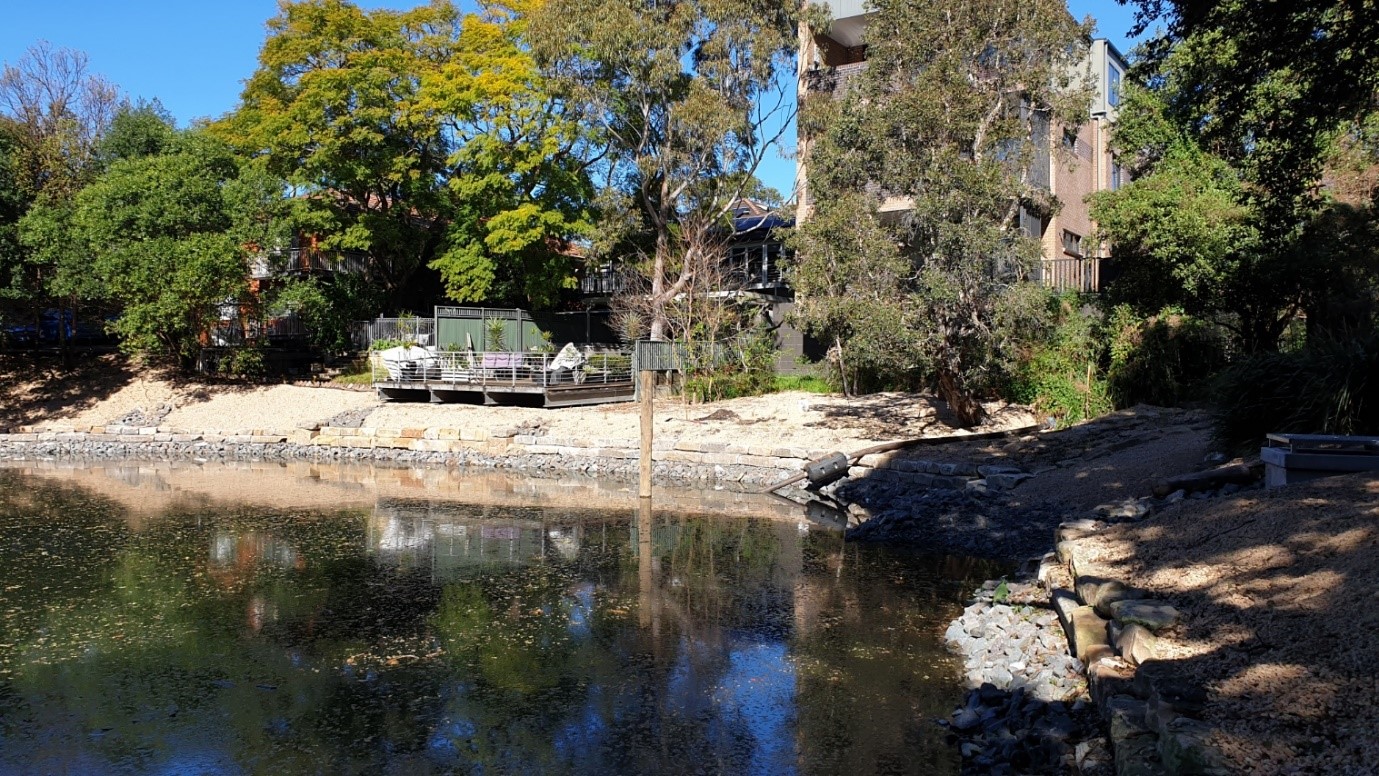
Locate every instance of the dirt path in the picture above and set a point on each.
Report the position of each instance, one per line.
(1277, 591)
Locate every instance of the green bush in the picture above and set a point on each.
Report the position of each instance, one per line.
(1164, 359)
(243, 362)
(1326, 388)
(329, 307)
(745, 366)
(1063, 376)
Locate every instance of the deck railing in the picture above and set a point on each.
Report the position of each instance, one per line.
(468, 369)
(308, 261)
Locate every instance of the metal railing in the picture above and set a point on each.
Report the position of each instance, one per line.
(418, 331)
(602, 281)
(244, 325)
(297, 261)
(465, 369)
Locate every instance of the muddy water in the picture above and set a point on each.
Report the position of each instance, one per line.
(207, 635)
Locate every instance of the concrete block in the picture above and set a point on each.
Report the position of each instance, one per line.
(473, 435)
(450, 434)
(413, 433)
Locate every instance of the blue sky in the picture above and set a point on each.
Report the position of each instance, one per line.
(193, 55)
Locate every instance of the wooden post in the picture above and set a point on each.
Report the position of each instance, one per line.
(648, 391)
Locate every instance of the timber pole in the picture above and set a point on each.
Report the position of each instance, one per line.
(648, 392)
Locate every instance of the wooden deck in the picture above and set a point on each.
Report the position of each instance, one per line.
(497, 378)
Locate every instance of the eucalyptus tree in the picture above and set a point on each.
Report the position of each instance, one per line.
(685, 98)
(941, 131)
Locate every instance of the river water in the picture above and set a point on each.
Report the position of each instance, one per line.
(203, 620)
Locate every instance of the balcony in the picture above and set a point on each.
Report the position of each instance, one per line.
(308, 261)
(836, 81)
(1081, 274)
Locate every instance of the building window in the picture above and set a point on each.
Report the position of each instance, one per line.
(1070, 140)
(1072, 243)
(1112, 85)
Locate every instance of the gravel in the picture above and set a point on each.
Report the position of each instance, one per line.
(1028, 713)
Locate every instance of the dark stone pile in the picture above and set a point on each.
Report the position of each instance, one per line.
(1003, 732)
(970, 522)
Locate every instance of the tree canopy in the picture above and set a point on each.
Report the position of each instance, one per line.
(170, 234)
(684, 99)
(1252, 163)
(422, 137)
(941, 131)
(1265, 88)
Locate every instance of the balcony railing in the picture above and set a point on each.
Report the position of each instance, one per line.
(305, 261)
(602, 281)
(241, 325)
(1072, 274)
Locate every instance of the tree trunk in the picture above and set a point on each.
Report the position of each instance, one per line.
(966, 409)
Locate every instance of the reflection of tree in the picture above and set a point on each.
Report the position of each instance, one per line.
(274, 640)
(872, 658)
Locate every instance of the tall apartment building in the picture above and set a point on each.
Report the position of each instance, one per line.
(831, 60)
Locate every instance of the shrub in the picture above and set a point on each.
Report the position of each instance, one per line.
(745, 366)
(1326, 388)
(1062, 376)
(244, 362)
(1164, 359)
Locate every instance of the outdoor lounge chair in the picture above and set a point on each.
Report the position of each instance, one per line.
(502, 366)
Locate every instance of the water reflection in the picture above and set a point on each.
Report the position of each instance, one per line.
(424, 636)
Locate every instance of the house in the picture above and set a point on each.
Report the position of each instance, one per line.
(752, 271)
(830, 62)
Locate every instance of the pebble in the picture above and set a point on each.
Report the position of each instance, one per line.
(1018, 719)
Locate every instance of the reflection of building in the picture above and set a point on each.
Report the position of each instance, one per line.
(234, 557)
(450, 539)
(832, 59)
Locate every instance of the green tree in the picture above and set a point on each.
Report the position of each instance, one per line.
(686, 98)
(518, 173)
(14, 201)
(943, 127)
(169, 235)
(53, 114)
(422, 137)
(1265, 88)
